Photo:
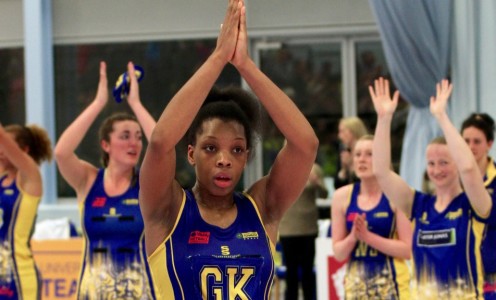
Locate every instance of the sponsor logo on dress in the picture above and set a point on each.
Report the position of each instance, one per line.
(436, 238)
(453, 215)
(251, 235)
(8, 192)
(130, 201)
(199, 237)
(351, 216)
(381, 214)
(99, 202)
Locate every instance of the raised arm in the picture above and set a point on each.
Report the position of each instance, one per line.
(160, 194)
(78, 173)
(28, 171)
(144, 118)
(277, 191)
(395, 188)
(459, 150)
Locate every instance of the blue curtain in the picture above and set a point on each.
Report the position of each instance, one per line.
(416, 37)
(473, 60)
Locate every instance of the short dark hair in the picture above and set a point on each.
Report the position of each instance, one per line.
(229, 104)
(481, 121)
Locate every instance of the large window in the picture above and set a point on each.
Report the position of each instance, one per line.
(12, 96)
(167, 66)
(327, 83)
(311, 74)
(370, 65)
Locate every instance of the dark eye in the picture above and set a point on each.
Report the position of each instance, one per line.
(209, 148)
(238, 150)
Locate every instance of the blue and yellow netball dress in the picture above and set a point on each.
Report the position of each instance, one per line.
(446, 249)
(18, 274)
(114, 263)
(202, 261)
(371, 274)
(488, 248)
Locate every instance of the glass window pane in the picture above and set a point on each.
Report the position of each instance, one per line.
(12, 95)
(311, 75)
(370, 65)
(167, 66)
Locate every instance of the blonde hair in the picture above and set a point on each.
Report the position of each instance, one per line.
(355, 125)
(440, 140)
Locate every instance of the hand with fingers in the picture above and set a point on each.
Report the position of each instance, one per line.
(361, 228)
(383, 104)
(229, 29)
(241, 52)
(102, 93)
(133, 96)
(439, 102)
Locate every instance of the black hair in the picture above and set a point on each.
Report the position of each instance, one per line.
(481, 121)
(229, 104)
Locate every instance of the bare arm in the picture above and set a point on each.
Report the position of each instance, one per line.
(29, 177)
(144, 118)
(459, 150)
(343, 242)
(278, 191)
(395, 188)
(75, 171)
(400, 247)
(160, 194)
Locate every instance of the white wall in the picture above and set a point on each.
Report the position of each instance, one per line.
(130, 20)
(11, 23)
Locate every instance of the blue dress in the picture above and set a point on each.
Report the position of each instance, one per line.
(114, 264)
(202, 261)
(371, 274)
(19, 278)
(446, 248)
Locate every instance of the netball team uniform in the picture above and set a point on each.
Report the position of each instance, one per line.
(446, 245)
(114, 263)
(488, 248)
(371, 274)
(202, 261)
(18, 274)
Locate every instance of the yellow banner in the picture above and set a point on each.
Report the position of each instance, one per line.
(59, 262)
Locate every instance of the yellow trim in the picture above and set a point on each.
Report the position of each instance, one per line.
(27, 208)
(158, 262)
(478, 229)
(271, 243)
(175, 224)
(490, 172)
(272, 246)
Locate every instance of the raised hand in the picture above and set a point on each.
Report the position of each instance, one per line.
(361, 227)
(102, 93)
(228, 36)
(439, 102)
(381, 98)
(133, 96)
(241, 52)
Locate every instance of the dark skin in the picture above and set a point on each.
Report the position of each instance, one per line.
(218, 170)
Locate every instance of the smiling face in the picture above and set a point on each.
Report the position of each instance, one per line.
(477, 141)
(441, 167)
(219, 155)
(362, 159)
(125, 143)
